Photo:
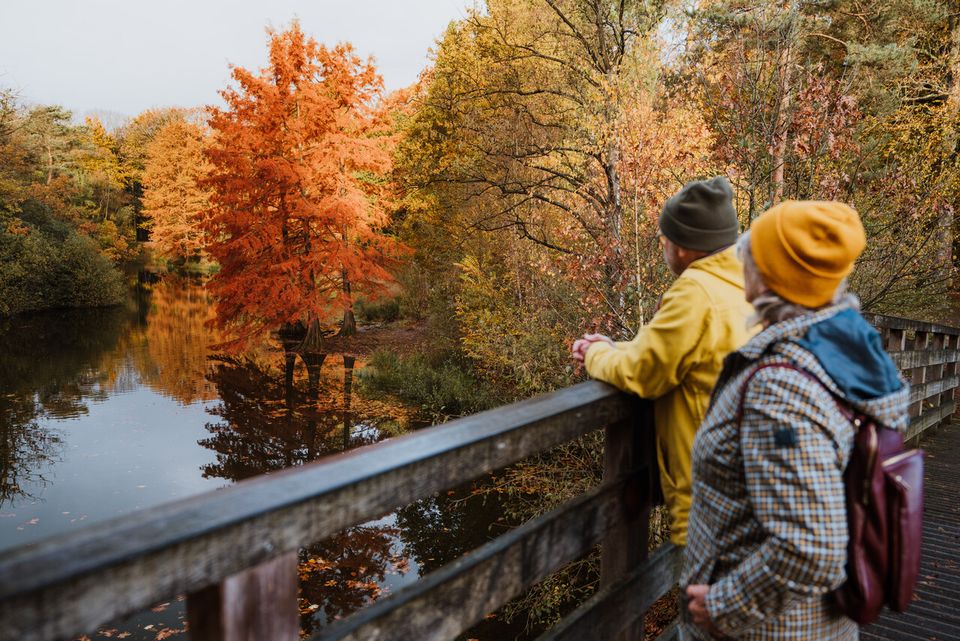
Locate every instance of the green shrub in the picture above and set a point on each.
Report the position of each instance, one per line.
(385, 311)
(442, 385)
(47, 265)
(89, 279)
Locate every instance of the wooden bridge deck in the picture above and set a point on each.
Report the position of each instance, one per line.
(935, 615)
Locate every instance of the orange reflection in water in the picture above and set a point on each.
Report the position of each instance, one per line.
(177, 341)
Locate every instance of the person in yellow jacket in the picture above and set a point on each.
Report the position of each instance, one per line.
(676, 358)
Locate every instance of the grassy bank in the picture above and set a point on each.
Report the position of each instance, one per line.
(441, 385)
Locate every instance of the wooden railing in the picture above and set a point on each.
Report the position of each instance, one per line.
(927, 356)
(234, 551)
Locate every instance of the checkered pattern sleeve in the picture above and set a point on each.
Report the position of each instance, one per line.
(793, 470)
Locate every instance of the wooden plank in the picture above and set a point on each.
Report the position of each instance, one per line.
(628, 448)
(450, 600)
(929, 419)
(256, 604)
(933, 388)
(71, 583)
(918, 376)
(913, 358)
(616, 606)
(896, 340)
(895, 322)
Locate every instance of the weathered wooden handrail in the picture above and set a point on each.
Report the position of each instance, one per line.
(234, 551)
(928, 356)
(238, 544)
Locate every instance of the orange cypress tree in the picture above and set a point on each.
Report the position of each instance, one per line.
(298, 209)
(173, 200)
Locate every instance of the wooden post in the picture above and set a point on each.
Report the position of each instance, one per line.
(896, 340)
(937, 342)
(253, 605)
(628, 454)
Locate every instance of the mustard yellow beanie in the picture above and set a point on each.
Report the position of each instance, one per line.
(804, 249)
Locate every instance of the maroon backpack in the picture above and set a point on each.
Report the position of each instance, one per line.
(884, 496)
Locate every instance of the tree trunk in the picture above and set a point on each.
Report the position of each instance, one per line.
(349, 327)
(783, 120)
(613, 262)
(780, 129)
(291, 337)
(49, 162)
(290, 359)
(953, 102)
(314, 362)
(312, 342)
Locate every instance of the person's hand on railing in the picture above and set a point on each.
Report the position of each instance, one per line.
(581, 345)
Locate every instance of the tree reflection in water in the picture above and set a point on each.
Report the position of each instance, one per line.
(267, 418)
(52, 367)
(268, 422)
(441, 528)
(177, 339)
(345, 572)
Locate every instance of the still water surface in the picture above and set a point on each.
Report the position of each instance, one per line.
(110, 411)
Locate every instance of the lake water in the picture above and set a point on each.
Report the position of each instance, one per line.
(106, 412)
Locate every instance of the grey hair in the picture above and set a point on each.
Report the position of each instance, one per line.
(770, 308)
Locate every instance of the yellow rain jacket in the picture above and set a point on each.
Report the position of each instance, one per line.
(675, 360)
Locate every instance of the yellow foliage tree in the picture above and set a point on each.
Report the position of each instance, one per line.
(173, 200)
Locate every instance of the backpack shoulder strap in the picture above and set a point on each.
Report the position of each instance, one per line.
(841, 404)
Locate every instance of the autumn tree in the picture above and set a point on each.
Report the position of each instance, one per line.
(48, 125)
(749, 63)
(102, 180)
(298, 215)
(134, 138)
(539, 149)
(522, 117)
(908, 182)
(47, 258)
(850, 102)
(174, 203)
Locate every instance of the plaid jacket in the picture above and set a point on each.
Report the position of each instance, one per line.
(768, 529)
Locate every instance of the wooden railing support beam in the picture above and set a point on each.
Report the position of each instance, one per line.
(628, 451)
(446, 602)
(253, 605)
(617, 602)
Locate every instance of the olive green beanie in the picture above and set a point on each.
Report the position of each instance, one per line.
(701, 216)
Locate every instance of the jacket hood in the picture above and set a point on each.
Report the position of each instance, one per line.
(847, 354)
(851, 353)
(724, 265)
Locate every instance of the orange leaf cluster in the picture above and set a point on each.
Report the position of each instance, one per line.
(172, 197)
(298, 198)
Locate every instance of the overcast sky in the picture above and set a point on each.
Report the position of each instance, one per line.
(129, 55)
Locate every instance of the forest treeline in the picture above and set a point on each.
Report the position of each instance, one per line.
(510, 196)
